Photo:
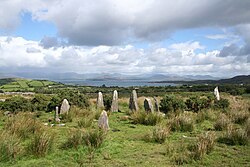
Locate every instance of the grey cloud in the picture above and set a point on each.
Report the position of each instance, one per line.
(49, 42)
(231, 50)
(33, 50)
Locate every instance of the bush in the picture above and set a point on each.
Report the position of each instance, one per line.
(23, 125)
(181, 123)
(107, 100)
(234, 136)
(75, 98)
(40, 103)
(74, 139)
(10, 146)
(196, 103)
(160, 134)
(94, 138)
(54, 102)
(203, 146)
(222, 122)
(171, 103)
(17, 103)
(144, 118)
(41, 144)
(221, 104)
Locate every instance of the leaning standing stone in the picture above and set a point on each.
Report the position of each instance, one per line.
(103, 122)
(148, 105)
(216, 93)
(65, 107)
(156, 105)
(114, 106)
(57, 115)
(99, 100)
(133, 106)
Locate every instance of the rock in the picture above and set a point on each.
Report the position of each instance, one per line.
(156, 105)
(114, 105)
(57, 115)
(148, 105)
(99, 101)
(216, 93)
(133, 106)
(103, 121)
(6, 113)
(65, 107)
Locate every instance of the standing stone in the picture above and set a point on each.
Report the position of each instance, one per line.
(99, 100)
(156, 105)
(57, 115)
(148, 105)
(114, 106)
(133, 106)
(103, 121)
(216, 93)
(65, 107)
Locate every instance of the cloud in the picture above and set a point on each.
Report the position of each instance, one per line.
(49, 42)
(112, 22)
(179, 58)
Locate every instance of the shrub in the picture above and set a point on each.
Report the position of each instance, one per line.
(234, 136)
(94, 138)
(54, 102)
(240, 117)
(10, 146)
(171, 103)
(160, 134)
(17, 103)
(107, 100)
(203, 146)
(41, 144)
(23, 125)
(75, 98)
(196, 103)
(221, 104)
(74, 139)
(221, 123)
(85, 122)
(181, 123)
(39, 102)
(144, 118)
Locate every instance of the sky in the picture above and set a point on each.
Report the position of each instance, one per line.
(180, 37)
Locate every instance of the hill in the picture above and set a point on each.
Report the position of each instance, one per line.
(241, 79)
(16, 84)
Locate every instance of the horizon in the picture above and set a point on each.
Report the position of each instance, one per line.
(130, 38)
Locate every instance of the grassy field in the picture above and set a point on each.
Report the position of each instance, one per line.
(131, 144)
(25, 84)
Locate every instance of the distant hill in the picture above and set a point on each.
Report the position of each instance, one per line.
(16, 84)
(241, 79)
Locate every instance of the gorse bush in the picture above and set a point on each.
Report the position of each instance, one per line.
(16, 104)
(10, 146)
(23, 125)
(41, 143)
(107, 100)
(181, 123)
(221, 104)
(222, 122)
(196, 103)
(144, 118)
(171, 103)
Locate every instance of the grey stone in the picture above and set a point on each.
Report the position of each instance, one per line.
(103, 122)
(99, 100)
(156, 105)
(114, 106)
(57, 114)
(148, 106)
(133, 106)
(216, 93)
(65, 107)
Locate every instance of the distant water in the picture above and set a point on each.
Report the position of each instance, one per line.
(119, 83)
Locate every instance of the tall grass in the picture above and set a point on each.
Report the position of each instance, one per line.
(41, 143)
(181, 123)
(160, 134)
(74, 139)
(144, 118)
(222, 122)
(23, 125)
(239, 117)
(10, 146)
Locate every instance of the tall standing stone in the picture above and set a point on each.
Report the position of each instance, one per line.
(133, 106)
(103, 122)
(99, 100)
(57, 115)
(156, 105)
(65, 107)
(114, 105)
(148, 105)
(216, 93)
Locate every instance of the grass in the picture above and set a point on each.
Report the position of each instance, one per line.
(122, 145)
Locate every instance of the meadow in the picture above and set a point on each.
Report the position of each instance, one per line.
(207, 136)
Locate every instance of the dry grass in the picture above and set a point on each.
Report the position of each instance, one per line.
(222, 122)
(183, 123)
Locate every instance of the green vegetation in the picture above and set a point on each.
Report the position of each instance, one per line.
(196, 130)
